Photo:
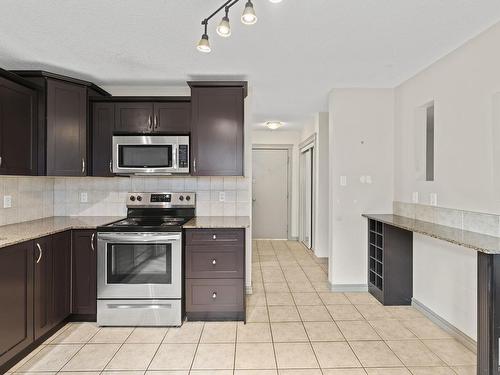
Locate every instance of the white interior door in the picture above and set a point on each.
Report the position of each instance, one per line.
(270, 193)
(306, 197)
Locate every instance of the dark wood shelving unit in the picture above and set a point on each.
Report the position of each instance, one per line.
(390, 253)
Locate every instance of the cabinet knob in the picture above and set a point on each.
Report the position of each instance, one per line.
(214, 295)
(214, 237)
(214, 261)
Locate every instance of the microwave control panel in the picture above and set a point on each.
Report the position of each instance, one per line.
(183, 156)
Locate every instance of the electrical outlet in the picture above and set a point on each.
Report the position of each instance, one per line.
(7, 201)
(434, 199)
(222, 196)
(369, 180)
(414, 197)
(84, 197)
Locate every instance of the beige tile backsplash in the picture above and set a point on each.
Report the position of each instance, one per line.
(38, 197)
(467, 220)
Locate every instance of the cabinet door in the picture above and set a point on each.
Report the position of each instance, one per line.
(103, 124)
(66, 129)
(172, 118)
(43, 285)
(217, 131)
(16, 294)
(61, 263)
(134, 117)
(17, 129)
(84, 272)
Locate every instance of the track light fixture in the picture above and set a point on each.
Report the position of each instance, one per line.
(248, 17)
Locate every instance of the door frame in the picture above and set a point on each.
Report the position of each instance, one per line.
(309, 143)
(289, 149)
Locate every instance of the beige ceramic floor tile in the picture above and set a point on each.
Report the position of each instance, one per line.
(255, 356)
(465, 370)
(374, 312)
(321, 286)
(50, 358)
(335, 354)
(299, 372)
(256, 299)
(404, 312)
(276, 287)
(334, 298)
(214, 356)
(307, 299)
(165, 372)
(388, 371)
(432, 371)
(26, 359)
(289, 332)
(414, 353)
(425, 329)
(451, 352)
(295, 355)
(90, 373)
(283, 314)
(219, 332)
(375, 354)
(255, 372)
(344, 312)
(208, 372)
(314, 314)
(279, 299)
(344, 371)
(254, 332)
(392, 330)
(173, 357)
(92, 357)
(273, 276)
(301, 287)
(76, 333)
(111, 335)
(357, 330)
(133, 357)
(323, 331)
(147, 335)
(57, 333)
(361, 298)
(257, 314)
(190, 332)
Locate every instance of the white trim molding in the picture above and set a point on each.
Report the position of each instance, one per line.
(349, 287)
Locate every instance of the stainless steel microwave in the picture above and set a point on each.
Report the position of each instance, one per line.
(150, 155)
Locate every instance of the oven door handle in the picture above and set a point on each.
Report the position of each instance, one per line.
(135, 237)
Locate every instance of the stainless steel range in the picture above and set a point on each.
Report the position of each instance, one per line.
(139, 262)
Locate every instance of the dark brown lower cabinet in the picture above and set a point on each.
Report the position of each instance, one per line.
(61, 265)
(215, 274)
(16, 294)
(43, 285)
(84, 280)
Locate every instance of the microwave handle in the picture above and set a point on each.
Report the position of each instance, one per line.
(175, 156)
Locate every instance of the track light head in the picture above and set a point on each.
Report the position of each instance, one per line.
(249, 17)
(224, 28)
(204, 44)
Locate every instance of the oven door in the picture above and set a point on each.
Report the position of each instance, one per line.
(145, 154)
(139, 265)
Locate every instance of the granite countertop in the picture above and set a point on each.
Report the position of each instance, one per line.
(29, 230)
(472, 240)
(218, 222)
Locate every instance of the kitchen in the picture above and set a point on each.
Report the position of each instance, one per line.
(171, 204)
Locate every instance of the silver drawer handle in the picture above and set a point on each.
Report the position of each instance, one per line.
(111, 166)
(214, 237)
(40, 253)
(214, 261)
(92, 242)
(214, 295)
(83, 165)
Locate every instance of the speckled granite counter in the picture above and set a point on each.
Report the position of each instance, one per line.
(472, 240)
(29, 230)
(218, 222)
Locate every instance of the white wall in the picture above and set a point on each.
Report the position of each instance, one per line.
(361, 144)
(281, 137)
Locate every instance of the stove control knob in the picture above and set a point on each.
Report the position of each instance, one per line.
(139, 198)
(181, 198)
(188, 198)
(132, 198)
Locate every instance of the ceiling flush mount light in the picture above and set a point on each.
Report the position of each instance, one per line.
(248, 17)
(273, 125)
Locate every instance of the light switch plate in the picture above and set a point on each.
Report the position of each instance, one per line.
(222, 196)
(343, 180)
(414, 197)
(434, 199)
(84, 197)
(7, 201)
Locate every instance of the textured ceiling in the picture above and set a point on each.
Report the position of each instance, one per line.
(293, 56)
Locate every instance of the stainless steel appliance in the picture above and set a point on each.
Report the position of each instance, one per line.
(139, 262)
(150, 154)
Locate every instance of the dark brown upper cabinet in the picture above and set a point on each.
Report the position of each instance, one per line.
(64, 132)
(103, 125)
(16, 294)
(18, 126)
(217, 128)
(145, 116)
(84, 279)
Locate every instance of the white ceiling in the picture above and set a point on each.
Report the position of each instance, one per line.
(297, 52)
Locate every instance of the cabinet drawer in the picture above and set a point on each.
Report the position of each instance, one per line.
(215, 236)
(209, 262)
(214, 295)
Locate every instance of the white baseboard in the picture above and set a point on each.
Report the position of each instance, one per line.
(349, 287)
(248, 289)
(469, 342)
